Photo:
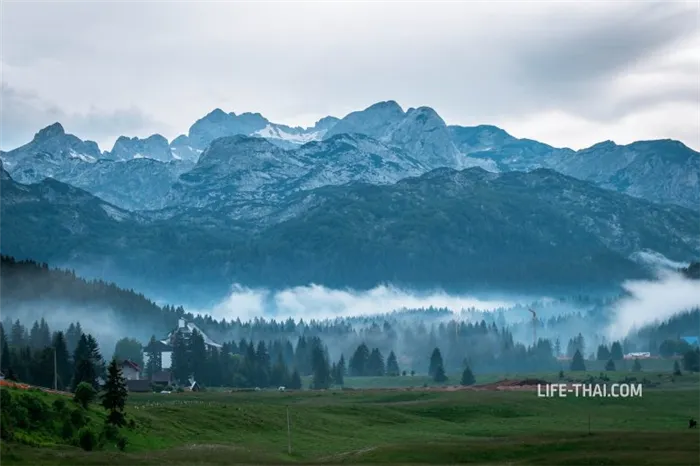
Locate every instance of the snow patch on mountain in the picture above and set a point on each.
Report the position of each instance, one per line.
(84, 157)
(272, 131)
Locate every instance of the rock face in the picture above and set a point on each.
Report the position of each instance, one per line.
(154, 147)
(50, 152)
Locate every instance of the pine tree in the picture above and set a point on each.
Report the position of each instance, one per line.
(610, 366)
(603, 353)
(616, 352)
(435, 362)
(637, 367)
(321, 371)
(392, 365)
(114, 397)
(197, 356)
(63, 365)
(467, 377)
(180, 364)
(295, 381)
(577, 363)
(359, 360)
(5, 363)
(440, 376)
(84, 369)
(341, 366)
(95, 357)
(339, 374)
(375, 363)
(154, 357)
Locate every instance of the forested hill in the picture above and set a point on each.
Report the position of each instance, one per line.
(27, 286)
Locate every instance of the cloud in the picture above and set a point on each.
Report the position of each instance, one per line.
(501, 63)
(318, 302)
(651, 301)
(24, 113)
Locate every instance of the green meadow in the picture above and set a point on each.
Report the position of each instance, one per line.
(362, 426)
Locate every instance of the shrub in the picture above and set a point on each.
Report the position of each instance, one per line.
(67, 429)
(59, 405)
(87, 439)
(37, 409)
(5, 398)
(5, 426)
(122, 442)
(110, 432)
(84, 394)
(20, 416)
(77, 418)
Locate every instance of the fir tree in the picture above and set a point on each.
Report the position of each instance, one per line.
(435, 362)
(467, 377)
(610, 366)
(392, 365)
(440, 376)
(154, 357)
(321, 370)
(339, 375)
(63, 364)
(180, 364)
(114, 397)
(359, 360)
(375, 363)
(84, 369)
(577, 363)
(616, 352)
(295, 381)
(637, 367)
(603, 353)
(5, 363)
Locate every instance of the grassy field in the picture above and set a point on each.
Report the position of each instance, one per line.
(395, 427)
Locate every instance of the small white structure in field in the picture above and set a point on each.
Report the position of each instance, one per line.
(281, 389)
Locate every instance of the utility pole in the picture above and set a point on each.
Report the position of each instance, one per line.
(289, 434)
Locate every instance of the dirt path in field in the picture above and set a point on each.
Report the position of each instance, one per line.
(345, 454)
(501, 385)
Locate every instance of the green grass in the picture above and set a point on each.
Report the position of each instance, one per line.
(396, 427)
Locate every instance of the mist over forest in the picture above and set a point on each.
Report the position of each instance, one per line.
(489, 335)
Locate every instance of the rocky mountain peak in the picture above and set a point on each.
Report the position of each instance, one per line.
(50, 131)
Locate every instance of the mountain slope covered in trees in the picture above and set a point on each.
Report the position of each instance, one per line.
(459, 230)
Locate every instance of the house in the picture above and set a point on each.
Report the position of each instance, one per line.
(165, 346)
(136, 385)
(162, 379)
(130, 370)
(692, 341)
(642, 355)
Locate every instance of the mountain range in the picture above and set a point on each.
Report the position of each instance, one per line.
(381, 195)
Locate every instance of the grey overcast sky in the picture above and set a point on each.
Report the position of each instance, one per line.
(566, 73)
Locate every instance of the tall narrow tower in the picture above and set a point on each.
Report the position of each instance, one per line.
(534, 328)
